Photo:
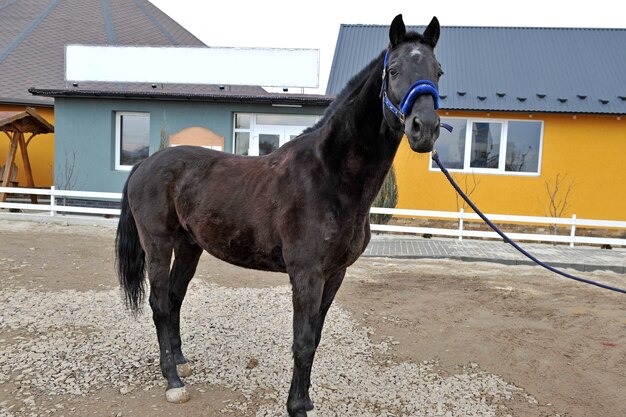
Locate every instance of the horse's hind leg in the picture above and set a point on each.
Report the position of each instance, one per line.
(158, 256)
(186, 257)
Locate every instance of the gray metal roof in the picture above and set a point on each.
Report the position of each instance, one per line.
(33, 35)
(508, 69)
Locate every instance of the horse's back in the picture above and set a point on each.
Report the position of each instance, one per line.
(154, 183)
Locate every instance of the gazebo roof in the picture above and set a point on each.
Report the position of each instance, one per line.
(28, 121)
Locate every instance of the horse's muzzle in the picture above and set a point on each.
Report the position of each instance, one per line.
(422, 132)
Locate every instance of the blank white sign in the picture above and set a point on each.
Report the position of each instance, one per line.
(268, 67)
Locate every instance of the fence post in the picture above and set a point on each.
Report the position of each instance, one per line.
(461, 223)
(573, 231)
(52, 202)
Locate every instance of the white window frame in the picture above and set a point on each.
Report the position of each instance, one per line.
(503, 145)
(255, 130)
(242, 129)
(118, 137)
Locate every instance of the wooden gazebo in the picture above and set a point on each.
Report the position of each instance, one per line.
(16, 125)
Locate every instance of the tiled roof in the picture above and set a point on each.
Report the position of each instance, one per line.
(508, 69)
(33, 35)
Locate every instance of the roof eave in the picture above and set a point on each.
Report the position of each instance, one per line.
(41, 102)
(311, 100)
(533, 110)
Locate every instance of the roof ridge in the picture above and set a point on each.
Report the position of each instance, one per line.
(28, 29)
(109, 26)
(156, 22)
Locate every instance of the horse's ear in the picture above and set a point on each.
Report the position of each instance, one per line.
(397, 31)
(431, 34)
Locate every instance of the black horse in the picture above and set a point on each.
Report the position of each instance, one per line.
(303, 209)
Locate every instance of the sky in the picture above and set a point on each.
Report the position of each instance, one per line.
(315, 23)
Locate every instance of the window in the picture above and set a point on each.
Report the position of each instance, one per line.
(260, 134)
(132, 139)
(485, 145)
(524, 144)
(491, 146)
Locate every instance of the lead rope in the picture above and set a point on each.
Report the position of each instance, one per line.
(435, 158)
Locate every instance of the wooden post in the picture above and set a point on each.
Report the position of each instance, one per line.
(8, 166)
(27, 169)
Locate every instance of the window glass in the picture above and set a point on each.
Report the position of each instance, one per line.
(451, 146)
(522, 146)
(242, 120)
(242, 143)
(485, 145)
(134, 137)
(268, 143)
(286, 119)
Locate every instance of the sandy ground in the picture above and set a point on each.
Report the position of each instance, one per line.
(562, 344)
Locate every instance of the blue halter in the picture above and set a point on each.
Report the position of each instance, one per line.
(418, 88)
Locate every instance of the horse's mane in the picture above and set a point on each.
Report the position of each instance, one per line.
(356, 82)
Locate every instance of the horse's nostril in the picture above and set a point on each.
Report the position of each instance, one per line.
(417, 125)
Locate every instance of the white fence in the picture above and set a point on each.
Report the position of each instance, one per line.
(57, 196)
(57, 202)
(461, 216)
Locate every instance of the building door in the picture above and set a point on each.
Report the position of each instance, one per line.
(267, 138)
(260, 134)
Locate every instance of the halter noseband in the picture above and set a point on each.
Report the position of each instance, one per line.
(418, 88)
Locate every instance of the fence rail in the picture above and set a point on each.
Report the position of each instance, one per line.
(460, 232)
(57, 202)
(58, 205)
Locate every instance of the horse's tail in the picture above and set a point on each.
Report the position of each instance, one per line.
(130, 256)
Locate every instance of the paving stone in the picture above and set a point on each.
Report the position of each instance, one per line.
(582, 258)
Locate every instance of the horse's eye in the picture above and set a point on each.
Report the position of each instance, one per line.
(393, 72)
(440, 73)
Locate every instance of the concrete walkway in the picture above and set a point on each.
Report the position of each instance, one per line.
(582, 258)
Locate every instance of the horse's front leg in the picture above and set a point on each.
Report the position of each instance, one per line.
(308, 287)
(331, 286)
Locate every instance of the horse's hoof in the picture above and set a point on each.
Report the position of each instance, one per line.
(184, 370)
(177, 395)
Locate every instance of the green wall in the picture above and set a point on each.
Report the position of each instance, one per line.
(85, 132)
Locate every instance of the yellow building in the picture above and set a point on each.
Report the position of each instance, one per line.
(585, 153)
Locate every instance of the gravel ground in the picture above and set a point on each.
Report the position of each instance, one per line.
(79, 342)
(404, 338)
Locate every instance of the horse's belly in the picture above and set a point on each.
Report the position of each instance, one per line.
(260, 261)
(244, 249)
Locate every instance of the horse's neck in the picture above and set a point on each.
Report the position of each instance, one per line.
(360, 147)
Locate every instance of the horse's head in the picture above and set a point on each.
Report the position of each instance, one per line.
(410, 76)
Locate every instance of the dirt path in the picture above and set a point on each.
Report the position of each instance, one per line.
(520, 341)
